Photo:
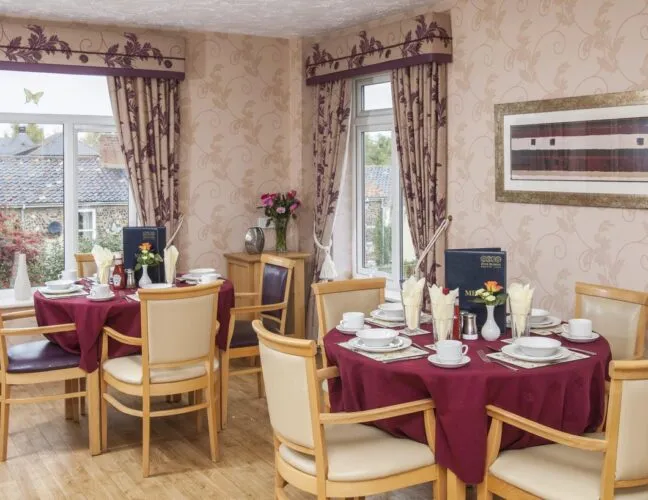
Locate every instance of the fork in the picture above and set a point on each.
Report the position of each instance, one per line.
(486, 359)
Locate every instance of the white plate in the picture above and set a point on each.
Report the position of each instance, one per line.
(397, 344)
(550, 322)
(202, 270)
(154, 286)
(515, 352)
(378, 314)
(434, 359)
(72, 289)
(350, 331)
(101, 299)
(196, 277)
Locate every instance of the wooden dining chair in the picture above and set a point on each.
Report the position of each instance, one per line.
(617, 314)
(602, 466)
(86, 265)
(42, 361)
(271, 306)
(178, 342)
(330, 454)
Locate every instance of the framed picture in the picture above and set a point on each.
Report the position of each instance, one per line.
(585, 151)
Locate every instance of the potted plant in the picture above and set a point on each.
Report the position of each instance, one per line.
(280, 208)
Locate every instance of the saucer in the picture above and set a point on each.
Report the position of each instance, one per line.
(397, 344)
(350, 331)
(101, 299)
(515, 352)
(378, 314)
(578, 340)
(434, 359)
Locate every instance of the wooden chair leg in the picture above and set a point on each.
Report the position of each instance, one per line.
(439, 487)
(4, 422)
(260, 387)
(198, 398)
(94, 424)
(74, 385)
(146, 435)
(82, 400)
(216, 391)
(280, 484)
(224, 387)
(103, 413)
(211, 420)
(69, 407)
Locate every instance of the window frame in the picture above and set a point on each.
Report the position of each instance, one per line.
(93, 223)
(72, 124)
(374, 121)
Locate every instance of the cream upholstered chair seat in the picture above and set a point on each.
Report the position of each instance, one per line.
(357, 453)
(128, 369)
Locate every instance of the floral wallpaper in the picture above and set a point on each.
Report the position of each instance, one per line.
(235, 141)
(508, 51)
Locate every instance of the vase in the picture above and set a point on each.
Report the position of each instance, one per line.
(254, 240)
(22, 286)
(281, 228)
(490, 330)
(145, 278)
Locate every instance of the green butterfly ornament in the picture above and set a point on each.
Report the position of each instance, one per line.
(32, 96)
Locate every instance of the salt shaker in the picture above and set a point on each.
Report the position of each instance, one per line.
(470, 327)
(130, 279)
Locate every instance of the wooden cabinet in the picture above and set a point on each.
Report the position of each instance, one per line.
(244, 269)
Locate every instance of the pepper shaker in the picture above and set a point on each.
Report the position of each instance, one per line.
(130, 279)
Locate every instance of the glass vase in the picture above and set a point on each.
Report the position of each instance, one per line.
(281, 228)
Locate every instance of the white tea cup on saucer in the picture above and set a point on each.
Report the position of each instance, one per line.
(353, 320)
(580, 327)
(100, 291)
(68, 274)
(450, 351)
(209, 278)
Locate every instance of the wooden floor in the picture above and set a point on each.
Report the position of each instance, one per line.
(48, 456)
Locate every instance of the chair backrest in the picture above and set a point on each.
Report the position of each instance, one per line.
(276, 277)
(619, 315)
(179, 324)
(289, 374)
(627, 425)
(86, 265)
(337, 297)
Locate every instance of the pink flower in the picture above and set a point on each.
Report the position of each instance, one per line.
(294, 207)
(264, 196)
(281, 210)
(266, 202)
(291, 194)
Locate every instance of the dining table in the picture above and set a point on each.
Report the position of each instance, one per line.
(121, 313)
(568, 396)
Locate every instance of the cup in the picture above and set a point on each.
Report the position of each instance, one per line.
(353, 320)
(580, 327)
(209, 278)
(451, 351)
(99, 291)
(68, 274)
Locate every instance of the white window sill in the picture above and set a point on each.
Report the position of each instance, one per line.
(8, 301)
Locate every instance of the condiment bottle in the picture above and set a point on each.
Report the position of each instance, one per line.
(456, 325)
(119, 275)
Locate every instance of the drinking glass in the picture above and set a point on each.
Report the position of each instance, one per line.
(520, 325)
(442, 328)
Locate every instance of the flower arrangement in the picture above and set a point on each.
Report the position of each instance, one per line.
(280, 208)
(147, 256)
(491, 294)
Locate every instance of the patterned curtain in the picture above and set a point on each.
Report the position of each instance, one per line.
(147, 111)
(420, 110)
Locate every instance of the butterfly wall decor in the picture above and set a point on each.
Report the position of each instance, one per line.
(33, 96)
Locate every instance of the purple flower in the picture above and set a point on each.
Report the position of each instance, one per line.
(281, 210)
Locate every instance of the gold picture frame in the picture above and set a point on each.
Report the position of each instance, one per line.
(564, 173)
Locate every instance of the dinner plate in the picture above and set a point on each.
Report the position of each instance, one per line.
(515, 352)
(157, 286)
(350, 331)
(397, 344)
(202, 270)
(434, 359)
(196, 277)
(550, 322)
(392, 318)
(72, 289)
(101, 299)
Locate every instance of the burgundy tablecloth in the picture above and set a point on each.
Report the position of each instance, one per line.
(567, 396)
(121, 314)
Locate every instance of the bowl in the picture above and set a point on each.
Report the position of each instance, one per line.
(540, 347)
(538, 315)
(59, 284)
(391, 308)
(377, 337)
(202, 270)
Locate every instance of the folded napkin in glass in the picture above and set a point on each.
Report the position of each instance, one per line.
(411, 352)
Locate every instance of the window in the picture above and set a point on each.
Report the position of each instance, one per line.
(64, 182)
(383, 242)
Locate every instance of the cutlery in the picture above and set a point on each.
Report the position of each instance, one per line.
(405, 359)
(486, 359)
(591, 353)
(419, 346)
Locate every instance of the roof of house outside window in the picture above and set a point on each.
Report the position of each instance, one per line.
(377, 180)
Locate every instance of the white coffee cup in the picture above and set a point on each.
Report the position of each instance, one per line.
(68, 274)
(353, 320)
(450, 351)
(209, 278)
(580, 327)
(100, 291)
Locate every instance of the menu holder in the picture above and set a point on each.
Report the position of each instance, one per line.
(500, 356)
(411, 352)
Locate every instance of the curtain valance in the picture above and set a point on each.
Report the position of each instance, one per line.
(425, 38)
(53, 49)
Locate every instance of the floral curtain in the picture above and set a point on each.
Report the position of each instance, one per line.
(147, 111)
(420, 113)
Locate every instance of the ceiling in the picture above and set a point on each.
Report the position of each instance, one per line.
(279, 18)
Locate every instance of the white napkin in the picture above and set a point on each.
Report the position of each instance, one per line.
(443, 310)
(104, 260)
(520, 297)
(170, 261)
(412, 295)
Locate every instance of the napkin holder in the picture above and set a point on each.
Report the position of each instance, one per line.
(133, 237)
